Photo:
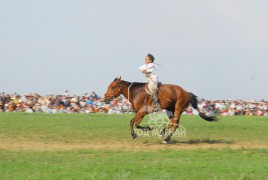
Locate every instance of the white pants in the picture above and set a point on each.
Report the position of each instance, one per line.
(152, 83)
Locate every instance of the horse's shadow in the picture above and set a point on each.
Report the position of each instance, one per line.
(202, 141)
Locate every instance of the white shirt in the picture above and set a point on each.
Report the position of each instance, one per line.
(151, 71)
(150, 68)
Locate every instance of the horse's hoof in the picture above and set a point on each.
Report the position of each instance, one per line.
(160, 135)
(164, 142)
(135, 137)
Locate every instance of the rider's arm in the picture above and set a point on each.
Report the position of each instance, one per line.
(150, 68)
(142, 68)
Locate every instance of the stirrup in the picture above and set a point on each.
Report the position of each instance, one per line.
(156, 107)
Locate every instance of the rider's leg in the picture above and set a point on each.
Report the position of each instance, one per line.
(152, 86)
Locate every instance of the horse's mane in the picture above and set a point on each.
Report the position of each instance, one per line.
(138, 84)
(134, 83)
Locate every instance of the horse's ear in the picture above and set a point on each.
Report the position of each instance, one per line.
(117, 79)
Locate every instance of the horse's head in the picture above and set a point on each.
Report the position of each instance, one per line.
(114, 90)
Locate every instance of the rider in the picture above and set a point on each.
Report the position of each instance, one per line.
(149, 69)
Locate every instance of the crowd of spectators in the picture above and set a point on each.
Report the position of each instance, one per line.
(231, 108)
(65, 103)
(92, 103)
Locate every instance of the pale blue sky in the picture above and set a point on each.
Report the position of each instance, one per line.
(214, 48)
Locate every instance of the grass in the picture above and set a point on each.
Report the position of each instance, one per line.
(102, 128)
(163, 164)
(139, 160)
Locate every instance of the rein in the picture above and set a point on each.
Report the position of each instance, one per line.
(128, 90)
(164, 95)
(128, 96)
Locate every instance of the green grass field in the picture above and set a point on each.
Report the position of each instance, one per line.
(44, 146)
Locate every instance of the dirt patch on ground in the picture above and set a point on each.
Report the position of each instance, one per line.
(131, 146)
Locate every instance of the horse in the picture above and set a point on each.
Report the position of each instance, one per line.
(172, 98)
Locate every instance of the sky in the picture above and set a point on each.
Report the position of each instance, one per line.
(217, 49)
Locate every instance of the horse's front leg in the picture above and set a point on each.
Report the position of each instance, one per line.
(133, 134)
(148, 128)
(137, 119)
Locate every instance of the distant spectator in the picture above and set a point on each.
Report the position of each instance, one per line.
(66, 93)
(90, 101)
(94, 95)
(3, 99)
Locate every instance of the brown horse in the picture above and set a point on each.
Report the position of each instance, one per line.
(171, 98)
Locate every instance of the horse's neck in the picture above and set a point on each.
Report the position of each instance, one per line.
(126, 91)
(129, 91)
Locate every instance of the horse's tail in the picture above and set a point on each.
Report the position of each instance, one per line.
(194, 102)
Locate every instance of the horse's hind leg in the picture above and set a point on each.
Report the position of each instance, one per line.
(170, 114)
(175, 124)
(163, 132)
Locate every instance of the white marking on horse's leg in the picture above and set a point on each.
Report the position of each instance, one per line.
(164, 142)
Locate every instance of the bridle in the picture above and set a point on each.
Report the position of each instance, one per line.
(128, 89)
(120, 90)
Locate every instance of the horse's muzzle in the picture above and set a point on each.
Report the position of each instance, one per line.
(107, 100)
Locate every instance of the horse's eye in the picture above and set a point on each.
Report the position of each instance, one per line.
(112, 88)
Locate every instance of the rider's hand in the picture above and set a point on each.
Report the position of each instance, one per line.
(144, 71)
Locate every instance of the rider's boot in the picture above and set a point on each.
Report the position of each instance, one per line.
(155, 104)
